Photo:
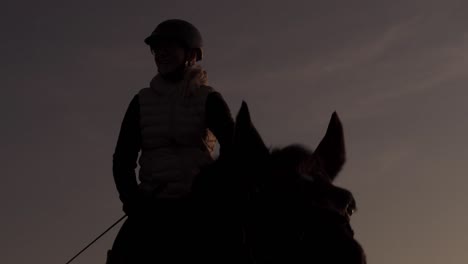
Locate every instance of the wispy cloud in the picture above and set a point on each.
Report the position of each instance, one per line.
(352, 57)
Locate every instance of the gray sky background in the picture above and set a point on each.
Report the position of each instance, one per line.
(395, 71)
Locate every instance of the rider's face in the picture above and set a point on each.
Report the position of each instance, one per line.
(168, 55)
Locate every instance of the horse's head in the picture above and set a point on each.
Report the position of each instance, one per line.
(294, 172)
(296, 184)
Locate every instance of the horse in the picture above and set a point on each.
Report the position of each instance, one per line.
(279, 205)
(255, 205)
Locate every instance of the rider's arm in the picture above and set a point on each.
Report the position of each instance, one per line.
(220, 121)
(126, 154)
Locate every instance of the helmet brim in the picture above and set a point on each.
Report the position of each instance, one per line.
(153, 39)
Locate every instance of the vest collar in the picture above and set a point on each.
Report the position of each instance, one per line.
(194, 77)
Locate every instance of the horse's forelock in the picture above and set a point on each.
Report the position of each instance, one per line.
(293, 157)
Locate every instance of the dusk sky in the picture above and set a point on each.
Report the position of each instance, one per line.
(395, 71)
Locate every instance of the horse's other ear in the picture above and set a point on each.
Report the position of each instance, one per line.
(247, 141)
(331, 150)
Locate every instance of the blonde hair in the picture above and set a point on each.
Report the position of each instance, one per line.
(195, 76)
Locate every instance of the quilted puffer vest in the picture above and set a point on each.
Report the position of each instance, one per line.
(175, 140)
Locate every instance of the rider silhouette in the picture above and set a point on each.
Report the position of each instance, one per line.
(170, 128)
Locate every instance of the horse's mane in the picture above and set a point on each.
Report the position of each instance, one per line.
(291, 154)
(296, 157)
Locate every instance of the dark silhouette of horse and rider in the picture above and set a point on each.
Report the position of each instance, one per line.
(252, 204)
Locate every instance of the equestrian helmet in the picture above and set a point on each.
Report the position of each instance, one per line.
(179, 30)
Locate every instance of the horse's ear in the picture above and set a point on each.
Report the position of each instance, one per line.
(331, 150)
(247, 141)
